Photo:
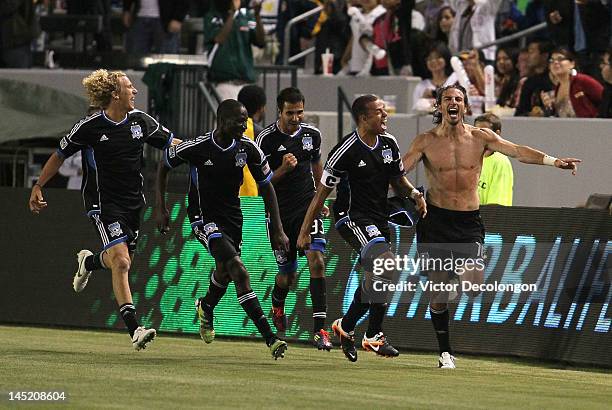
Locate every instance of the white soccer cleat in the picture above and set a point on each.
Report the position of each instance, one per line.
(446, 361)
(82, 275)
(142, 336)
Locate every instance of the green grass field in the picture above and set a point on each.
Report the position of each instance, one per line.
(100, 369)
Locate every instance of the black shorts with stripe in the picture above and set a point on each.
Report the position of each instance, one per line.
(222, 237)
(114, 226)
(367, 237)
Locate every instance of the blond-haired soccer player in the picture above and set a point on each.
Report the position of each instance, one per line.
(111, 140)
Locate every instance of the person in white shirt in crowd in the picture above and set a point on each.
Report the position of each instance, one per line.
(474, 25)
(441, 74)
(357, 59)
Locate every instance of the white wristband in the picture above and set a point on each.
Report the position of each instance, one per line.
(414, 193)
(548, 160)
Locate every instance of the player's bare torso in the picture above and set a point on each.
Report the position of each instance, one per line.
(452, 166)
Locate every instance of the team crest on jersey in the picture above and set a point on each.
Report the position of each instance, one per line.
(372, 230)
(210, 228)
(115, 229)
(241, 158)
(307, 143)
(136, 131)
(387, 156)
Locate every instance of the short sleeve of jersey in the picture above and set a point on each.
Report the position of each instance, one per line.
(257, 162)
(335, 167)
(76, 140)
(155, 134)
(262, 143)
(396, 168)
(175, 155)
(315, 155)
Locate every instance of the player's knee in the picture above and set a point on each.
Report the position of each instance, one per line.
(237, 270)
(120, 262)
(373, 257)
(317, 265)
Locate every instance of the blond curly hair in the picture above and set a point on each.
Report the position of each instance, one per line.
(100, 85)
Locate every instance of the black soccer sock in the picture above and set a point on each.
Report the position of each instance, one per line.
(377, 314)
(216, 290)
(440, 319)
(251, 306)
(94, 262)
(318, 295)
(355, 311)
(278, 296)
(128, 313)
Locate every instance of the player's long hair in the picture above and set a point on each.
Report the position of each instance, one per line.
(100, 85)
(437, 115)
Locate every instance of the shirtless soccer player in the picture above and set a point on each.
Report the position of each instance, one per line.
(452, 154)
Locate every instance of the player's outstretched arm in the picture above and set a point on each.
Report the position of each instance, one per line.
(524, 153)
(277, 235)
(414, 154)
(405, 189)
(37, 203)
(313, 210)
(162, 216)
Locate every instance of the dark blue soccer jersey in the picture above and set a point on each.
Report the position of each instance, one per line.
(216, 174)
(296, 189)
(112, 158)
(362, 175)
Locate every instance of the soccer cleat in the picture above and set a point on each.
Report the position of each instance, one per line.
(142, 336)
(347, 340)
(279, 318)
(82, 275)
(277, 348)
(446, 361)
(321, 340)
(379, 345)
(207, 328)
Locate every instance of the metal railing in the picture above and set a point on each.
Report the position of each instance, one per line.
(520, 35)
(343, 102)
(287, 35)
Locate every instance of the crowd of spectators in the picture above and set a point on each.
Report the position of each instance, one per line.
(564, 70)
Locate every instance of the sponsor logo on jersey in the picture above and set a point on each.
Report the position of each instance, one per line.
(282, 148)
(210, 228)
(172, 151)
(115, 229)
(136, 131)
(241, 158)
(307, 143)
(103, 138)
(266, 168)
(372, 230)
(208, 163)
(387, 155)
(361, 164)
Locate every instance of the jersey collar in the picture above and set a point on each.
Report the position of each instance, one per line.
(114, 122)
(284, 133)
(366, 145)
(212, 137)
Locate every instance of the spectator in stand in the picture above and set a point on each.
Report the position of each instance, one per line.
(592, 33)
(230, 30)
(560, 22)
(444, 23)
(334, 34)
(538, 80)
(506, 77)
(605, 109)
(576, 95)
(392, 32)
(18, 27)
(522, 64)
(104, 39)
(356, 59)
(473, 62)
(508, 21)
(301, 34)
(440, 74)
(430, 10)
(474, 25)
(154, 26)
